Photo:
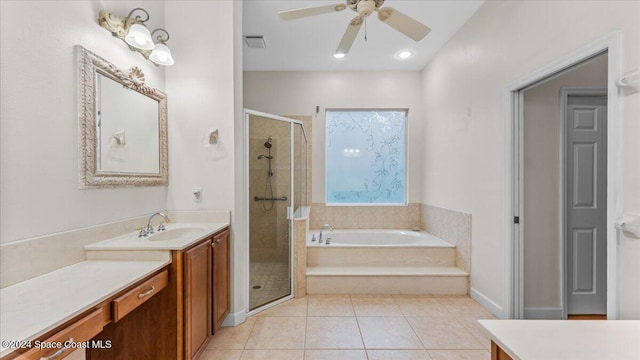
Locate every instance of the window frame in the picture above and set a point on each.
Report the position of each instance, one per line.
(406, 156)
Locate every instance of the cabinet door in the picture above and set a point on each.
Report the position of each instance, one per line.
(197, 298)
(220, 278)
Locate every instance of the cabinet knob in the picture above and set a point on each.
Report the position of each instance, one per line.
(213, 244)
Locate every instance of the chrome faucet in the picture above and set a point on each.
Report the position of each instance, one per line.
(324, 227)
(149, 228)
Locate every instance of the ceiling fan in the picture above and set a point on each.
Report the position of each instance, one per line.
(388, 15)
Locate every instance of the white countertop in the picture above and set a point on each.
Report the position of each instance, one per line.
(33, 307)
(566, 340)
(131, 241)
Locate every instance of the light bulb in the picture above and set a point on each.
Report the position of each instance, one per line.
(139, 37)
(161, 55)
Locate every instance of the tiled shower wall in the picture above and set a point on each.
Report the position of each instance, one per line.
(452, 226)
(269, 228)
(365, 217)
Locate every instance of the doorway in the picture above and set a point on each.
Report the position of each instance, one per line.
(553, 305)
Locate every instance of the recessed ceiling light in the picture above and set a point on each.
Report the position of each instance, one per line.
(338, 55)
(404, 54)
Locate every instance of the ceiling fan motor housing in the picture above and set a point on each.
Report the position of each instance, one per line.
(366, 7)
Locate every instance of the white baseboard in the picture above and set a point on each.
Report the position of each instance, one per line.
(543, 313)
(487, 303)
(235, 319)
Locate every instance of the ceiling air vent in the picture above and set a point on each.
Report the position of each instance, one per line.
(255, 41)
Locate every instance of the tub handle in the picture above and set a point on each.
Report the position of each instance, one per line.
(328, 241)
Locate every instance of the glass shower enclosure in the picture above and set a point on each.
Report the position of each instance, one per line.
(276, 168)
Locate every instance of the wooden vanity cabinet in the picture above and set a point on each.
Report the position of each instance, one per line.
(197, 298)
(139, 325)
(221, 277)
(178, 322)
(497, 353)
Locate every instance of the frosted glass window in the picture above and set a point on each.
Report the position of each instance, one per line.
(366, 157)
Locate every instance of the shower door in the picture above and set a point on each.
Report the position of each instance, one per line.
(270, 158)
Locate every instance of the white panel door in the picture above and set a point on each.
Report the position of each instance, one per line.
(586, 204)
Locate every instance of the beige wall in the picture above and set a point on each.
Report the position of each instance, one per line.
(298, 93)
(541, 218)
(463, 88)
(39, 116)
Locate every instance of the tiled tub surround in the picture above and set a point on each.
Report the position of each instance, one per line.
(301, 228)
(365, 217)
(424, 264)
(452, 226)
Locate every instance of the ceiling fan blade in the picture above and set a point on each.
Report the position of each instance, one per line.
(403, 23)
(349, 35)
(311, 11)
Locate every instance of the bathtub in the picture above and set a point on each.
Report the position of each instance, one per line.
(382, 262)
(376, 238)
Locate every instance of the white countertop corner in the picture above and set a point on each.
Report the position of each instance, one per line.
(566, 339)
(36, 306)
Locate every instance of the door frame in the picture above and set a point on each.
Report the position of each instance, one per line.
(513, 195)
(247, 113)
(564, 264)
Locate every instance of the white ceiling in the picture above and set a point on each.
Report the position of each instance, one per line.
(308, 44)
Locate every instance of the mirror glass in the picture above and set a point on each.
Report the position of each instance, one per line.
(123, 126)
(127, 129)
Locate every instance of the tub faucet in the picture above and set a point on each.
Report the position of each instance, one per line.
(324, 227)
(161, 226)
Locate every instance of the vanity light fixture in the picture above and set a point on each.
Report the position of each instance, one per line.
(132, 31)
(339, 55)
(139, 37)
(161, 54)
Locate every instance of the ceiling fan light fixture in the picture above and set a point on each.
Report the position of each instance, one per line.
(405, 54)
(339, 55)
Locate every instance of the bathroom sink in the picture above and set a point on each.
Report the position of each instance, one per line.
(177, 236)
(176, 233)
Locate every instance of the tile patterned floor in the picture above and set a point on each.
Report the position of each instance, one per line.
(358, 327)
(273, 280)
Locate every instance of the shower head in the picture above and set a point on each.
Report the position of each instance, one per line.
(262, 156)
(267, 144)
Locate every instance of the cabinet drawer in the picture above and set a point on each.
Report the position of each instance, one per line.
(138, 295)
(68, 339)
